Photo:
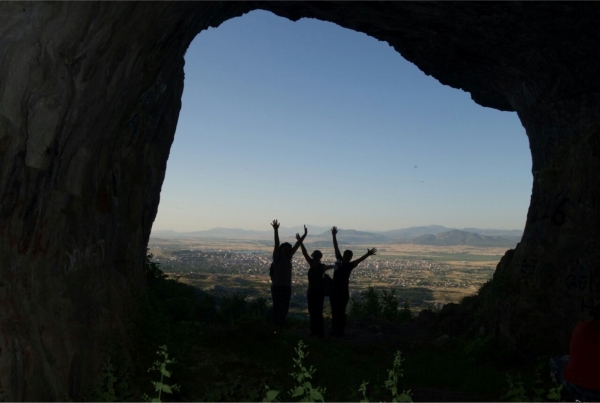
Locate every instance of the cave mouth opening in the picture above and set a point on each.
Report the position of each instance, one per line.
(113, 142)
(312, 123)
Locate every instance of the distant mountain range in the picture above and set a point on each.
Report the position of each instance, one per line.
(425, 235)
(413, 232)
(348, 237)
(457, 237)
(238, 233)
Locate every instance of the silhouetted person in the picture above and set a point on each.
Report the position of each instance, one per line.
(316, 292)
(281, 282)
(340, 294)
(579, 372)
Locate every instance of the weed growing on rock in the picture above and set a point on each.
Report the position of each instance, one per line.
(161, 366)
(305, 392)
(105, 391)
(302, 375)
(538, 393)
(115, 379)
(363, 391)
(394, 376)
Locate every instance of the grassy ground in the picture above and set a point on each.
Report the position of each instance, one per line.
(231, 353)
(237, 360)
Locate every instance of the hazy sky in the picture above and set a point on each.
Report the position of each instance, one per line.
(308, 122)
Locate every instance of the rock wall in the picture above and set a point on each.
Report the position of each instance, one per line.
(89, 99)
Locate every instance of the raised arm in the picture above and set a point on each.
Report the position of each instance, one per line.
(366, 255)
(275, 226)
(338, 255)
(304, 251)
(299, 242)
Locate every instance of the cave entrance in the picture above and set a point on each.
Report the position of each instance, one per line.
(87, 125)
(309, 122)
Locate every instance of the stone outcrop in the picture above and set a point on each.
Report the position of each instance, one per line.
(89, 99)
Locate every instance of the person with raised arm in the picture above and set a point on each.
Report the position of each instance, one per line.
(316, 291)
(340, 293)
(281, 279)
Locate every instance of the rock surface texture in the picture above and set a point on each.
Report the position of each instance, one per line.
(89, 99)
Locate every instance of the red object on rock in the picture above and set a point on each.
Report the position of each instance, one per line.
(583, 368)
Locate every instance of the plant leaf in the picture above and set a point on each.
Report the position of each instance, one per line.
(316, 395)
(298, 392)
(404, 397)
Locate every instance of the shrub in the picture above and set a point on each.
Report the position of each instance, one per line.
(236, 307)
(153, 272)
(372, 305)
(389, 304)
(357, 307)
(405, 314)
(233, 308)
(384, 305)
(538, 393)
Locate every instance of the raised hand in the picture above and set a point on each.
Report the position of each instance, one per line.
(305, 231)
(334, 230)
(275, 224)
(298, 237)
(371, 252)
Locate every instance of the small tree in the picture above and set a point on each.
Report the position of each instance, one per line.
(372, 305)
(153, 272)
(389, 303)
(405, 314)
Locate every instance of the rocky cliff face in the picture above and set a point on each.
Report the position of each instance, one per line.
(89, 99)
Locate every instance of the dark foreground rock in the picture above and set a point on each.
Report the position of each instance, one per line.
(89, 99)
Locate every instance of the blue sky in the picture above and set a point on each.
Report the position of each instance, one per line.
(311, 123)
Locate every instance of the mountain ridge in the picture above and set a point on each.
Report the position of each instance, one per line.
(458, 237)
(424, 235)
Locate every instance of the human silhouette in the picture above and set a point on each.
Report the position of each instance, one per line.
(340, 294)
(281, 281)
(316, 292)
(579, 372)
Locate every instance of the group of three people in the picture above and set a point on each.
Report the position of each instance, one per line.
(281, 287)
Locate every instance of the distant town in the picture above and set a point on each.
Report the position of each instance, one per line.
(421, 280)
(425, 266)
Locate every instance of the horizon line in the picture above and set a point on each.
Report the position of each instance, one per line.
(339, 228)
